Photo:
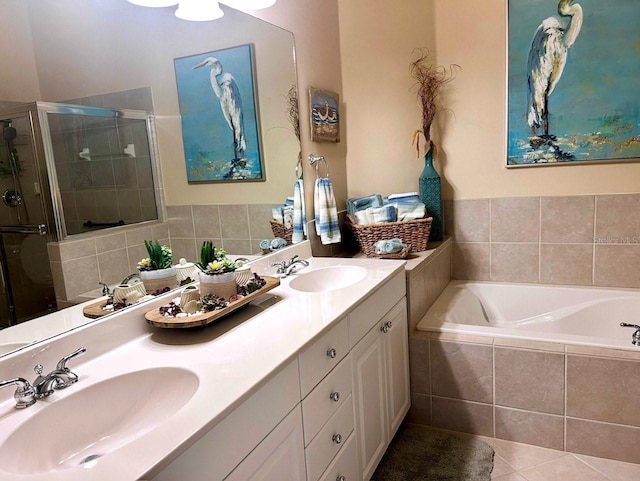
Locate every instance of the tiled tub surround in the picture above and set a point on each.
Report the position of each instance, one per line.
(571, 240)
(566, 397)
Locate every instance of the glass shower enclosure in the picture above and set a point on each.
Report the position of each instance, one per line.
(65, 170)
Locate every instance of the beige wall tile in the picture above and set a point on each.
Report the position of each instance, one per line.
(566, 264)
(239, 246)
(58, 281)
(617, 218)
(207, 221)
(462, 371)
(135, 254)
(530, 380)
(110, 242)
(528, 344)
(185, 248)
(75, 249)
(514, 262)
(633, 353)
(515, 219)
(603, 389)
(419, 365)
(603, 440)
(471, 261)
(467, 220)
(80, 275)
(135, 237)
(617, 265)
(180, 221)
(114, 266)
(259, 216)
(420, 410)
(235, 221)
(468, 417)
(160, 230)
(567, 219)
(530, 427)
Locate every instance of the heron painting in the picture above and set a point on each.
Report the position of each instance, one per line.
(220, 131)
(572, 81)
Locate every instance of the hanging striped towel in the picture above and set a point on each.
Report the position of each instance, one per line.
(326, 213)
(299, 214)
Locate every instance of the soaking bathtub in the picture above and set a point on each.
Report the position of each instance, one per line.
(570, 315)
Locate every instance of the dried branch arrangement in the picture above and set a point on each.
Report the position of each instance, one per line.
(430, 80)
(293, 113)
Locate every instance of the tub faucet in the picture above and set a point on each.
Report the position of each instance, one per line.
(635, 337)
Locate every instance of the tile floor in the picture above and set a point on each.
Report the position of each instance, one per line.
(522, 462)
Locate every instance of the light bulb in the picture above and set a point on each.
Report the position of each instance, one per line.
(248, 4)
(154, 3)
(199, 10)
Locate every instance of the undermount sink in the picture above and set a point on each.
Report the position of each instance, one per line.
(75, 431)
(328, 278)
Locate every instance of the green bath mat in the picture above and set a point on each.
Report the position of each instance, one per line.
(417, 453)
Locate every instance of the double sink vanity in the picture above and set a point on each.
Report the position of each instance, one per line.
(308, 382)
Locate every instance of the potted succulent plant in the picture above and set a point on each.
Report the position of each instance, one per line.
(156, 271)
(217, 274)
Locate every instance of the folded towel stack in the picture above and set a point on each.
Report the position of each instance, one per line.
(356, 204)
(388, 246)
(375, 215)
(373, 209)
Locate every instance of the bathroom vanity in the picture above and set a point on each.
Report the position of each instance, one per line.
(313, 387)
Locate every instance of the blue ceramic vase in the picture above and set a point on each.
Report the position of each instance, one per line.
(431, 195)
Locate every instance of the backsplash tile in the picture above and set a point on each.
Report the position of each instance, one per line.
(570, 264)
(567, 219)
(617, 219)
(467, 220)
(503, 267)
(515, 219)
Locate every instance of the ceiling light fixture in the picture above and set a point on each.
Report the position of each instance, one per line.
(199, 10)
(154, 3)
(248, 4)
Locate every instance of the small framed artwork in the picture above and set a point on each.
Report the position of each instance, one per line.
(219, 112)
(325, 117)
(573, 69)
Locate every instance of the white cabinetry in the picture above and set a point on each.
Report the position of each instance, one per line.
(380, 386)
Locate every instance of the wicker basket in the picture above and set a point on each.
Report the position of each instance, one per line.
(414, 232)
(279, 230)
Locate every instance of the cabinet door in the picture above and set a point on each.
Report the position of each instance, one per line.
(279, 457)
(369, 395)
(396, 355)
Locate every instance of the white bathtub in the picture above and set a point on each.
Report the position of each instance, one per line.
(571, 315)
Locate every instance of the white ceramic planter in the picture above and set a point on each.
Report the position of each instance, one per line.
(222, 285)
(159, 279)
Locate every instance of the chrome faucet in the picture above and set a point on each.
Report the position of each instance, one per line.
(129, 277)
(60, 378)
(285, 268)
(635, 337)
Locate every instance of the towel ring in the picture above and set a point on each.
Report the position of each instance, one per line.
(315, 160)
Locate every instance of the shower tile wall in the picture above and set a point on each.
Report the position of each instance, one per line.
(591, 240)
(111, 186)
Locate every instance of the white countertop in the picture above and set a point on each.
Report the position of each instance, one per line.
(231, 359)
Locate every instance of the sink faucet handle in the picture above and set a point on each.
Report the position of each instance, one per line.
(62, 363)
(25, 396)
(626, 324)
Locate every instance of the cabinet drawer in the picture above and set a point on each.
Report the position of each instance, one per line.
(322, 356)
(363, 317)
(325, 399)
(345, 464)
(326, 444)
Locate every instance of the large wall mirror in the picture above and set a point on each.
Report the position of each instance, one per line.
(110, 53)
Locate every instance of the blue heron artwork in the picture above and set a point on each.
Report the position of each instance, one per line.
(220, 131)
(573, 68)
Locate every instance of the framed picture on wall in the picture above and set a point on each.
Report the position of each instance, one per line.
(218, 108)
(325, 118)
(572, 86)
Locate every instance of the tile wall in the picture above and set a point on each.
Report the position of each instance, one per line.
(578, 240)
(573, 398)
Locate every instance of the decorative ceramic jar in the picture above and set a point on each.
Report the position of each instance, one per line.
(190, 293)
(130, 292)
(243, 275)
(185, 271)
(222, 285)
(159, 279)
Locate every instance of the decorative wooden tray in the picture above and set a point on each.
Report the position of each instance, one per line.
(96, 310)
(158, 320)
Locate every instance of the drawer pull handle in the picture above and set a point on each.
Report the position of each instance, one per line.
(334, 396)
(332, 353)
(337, 438)
(341, 478)
(386, 327)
